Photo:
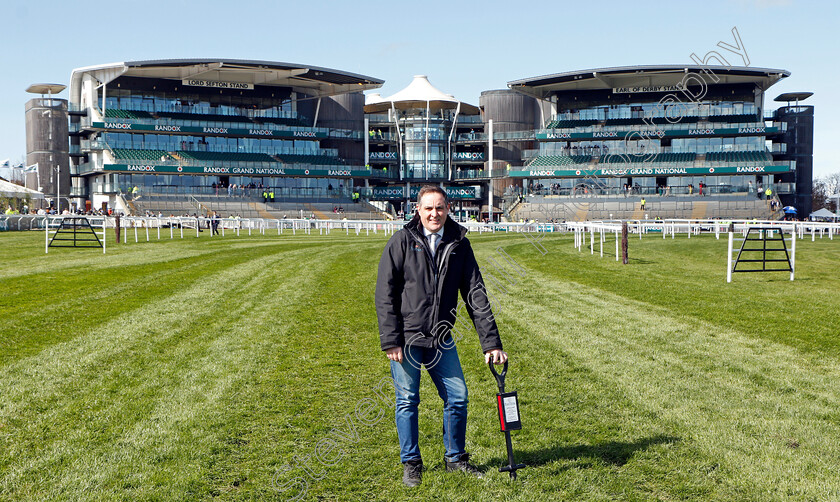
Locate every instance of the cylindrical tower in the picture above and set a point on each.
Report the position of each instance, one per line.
(510, 111)
(47, 145)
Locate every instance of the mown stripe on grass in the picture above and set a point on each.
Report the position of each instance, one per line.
(37, 316)
(82, 406)
(765, 410)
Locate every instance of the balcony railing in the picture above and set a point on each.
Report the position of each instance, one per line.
(471, 136)
(378, 135)
(588, 190)
(87, 122)
(470, 119)
(663, 126)
(476, 174)
(514, 135)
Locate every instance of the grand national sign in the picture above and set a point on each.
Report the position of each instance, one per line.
(235, 171)
(649, 170)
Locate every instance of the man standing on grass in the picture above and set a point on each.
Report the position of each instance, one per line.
(215, 223)
(422, 269)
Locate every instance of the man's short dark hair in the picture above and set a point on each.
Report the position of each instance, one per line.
(432, 189)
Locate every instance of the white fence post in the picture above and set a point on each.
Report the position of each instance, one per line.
(792, 253)
(729, 258)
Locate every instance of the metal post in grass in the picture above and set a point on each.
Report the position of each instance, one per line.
(729, 253)
(134, 224)
(47, 235)
(591, 240)
(117, 228)
(146, 224)
(158, 227)
(625, 257)
(104, 219)
(181, 226)
(171, 229)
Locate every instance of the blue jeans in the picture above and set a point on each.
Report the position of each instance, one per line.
(445, 369)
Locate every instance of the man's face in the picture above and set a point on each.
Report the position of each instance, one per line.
(433, 211)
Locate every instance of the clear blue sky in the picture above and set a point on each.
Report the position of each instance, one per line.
(464, 47)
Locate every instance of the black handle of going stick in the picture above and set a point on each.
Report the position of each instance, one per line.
(500, 377)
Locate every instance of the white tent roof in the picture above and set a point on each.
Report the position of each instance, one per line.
(372, 99)
(420, 93)
(822, 213)
(8, 189)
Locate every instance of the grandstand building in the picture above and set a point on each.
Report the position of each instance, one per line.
(694, 141)
(215, 127)
(614, 135)
(420, 135)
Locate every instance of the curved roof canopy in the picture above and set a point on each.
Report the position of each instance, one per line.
(420, 93)
(46, 88)
(643, 76)
(313, 80)
(793, 96)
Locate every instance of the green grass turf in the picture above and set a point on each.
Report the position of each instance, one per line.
(201, 369)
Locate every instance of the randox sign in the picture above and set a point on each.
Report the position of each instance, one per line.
(212, 131)
(658, 133)
(396, 193)
(233, 171)
(648, 171)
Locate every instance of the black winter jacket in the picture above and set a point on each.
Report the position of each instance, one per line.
(417, 296)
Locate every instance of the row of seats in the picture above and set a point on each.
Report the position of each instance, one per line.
(661, 157)
(317, 160)
(205, 117)
(226, 156)
(738, 157)
(126, 114)
(136, 154)
(559, 160)
(157, 155)
(568, 124)
(735, 118)
(657, 121)
(675, 158)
